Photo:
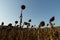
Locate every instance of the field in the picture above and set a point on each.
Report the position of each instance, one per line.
(16, 33)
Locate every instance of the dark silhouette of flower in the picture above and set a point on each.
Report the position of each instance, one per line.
(2, 23)
(42, 23)
(29, 20)
(22, 7)
(16, 22)
(52, 19)
(10, 24)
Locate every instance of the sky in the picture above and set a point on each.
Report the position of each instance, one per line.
(37, 10)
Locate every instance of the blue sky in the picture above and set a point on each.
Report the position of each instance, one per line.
(37, 10)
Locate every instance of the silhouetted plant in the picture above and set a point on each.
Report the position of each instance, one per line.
(2, 23)
(51, 24)
(52, 19)
(26, 23)
(16, 22)
(10, 24)
(22, 7)
(47, 24)
(42, 23)
(32, 26)
(29, 20)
